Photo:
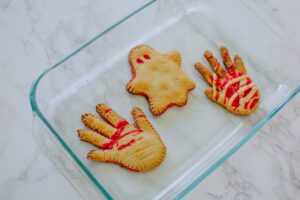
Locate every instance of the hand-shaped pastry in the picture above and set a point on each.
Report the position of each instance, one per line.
(231, 88)
(159, 78)
(136, 147)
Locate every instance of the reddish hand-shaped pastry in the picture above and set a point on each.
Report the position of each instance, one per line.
(159, 77)
(137, 147)
(231, 88)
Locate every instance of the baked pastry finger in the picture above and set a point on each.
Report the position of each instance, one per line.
(110, 115)
(91, 121)
(239, 64)
(207, 75)
(92, 137)
(214, 64)
(226, 58)
(141, 121)
(231, 88)
(137, 147)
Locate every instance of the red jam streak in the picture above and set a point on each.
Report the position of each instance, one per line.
(123, 146)
(118, 132)
(139, 61)
(236, 102)
(121, 123)
(147, 57)
(109, 145)
(220, 83)
(117, 136)
(108, 110)
(254, 102)
(233, 88)
(137, 131)
(247, 91)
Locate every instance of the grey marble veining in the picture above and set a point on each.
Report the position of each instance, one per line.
(265, 168)
(35, 34)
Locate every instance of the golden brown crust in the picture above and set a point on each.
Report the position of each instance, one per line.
(231, 88)
(135, 148)
(214, 63)
(209, 94)
(158, 77)
(92, 137)
(204, 72)
(239, 64)
(96, 124)
(109, 114)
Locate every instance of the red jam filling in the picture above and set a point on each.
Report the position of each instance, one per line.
(117, 136)
(121, 123)
(123, 146)
(236, 102)
(147, 57)
(139, 61)
(108, 110)
(232, 89)
(254, 102)
(247, 92)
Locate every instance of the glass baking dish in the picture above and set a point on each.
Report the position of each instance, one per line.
(199, 136)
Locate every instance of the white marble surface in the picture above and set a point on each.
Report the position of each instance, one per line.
(34, 34)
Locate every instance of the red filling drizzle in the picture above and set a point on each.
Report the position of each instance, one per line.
(108, 110)
(248, 81)
(117, 136)
(131, 132)
(236, 102)
(232, 89)
(123, 146)
(109, 145)
(147, 57)
(118, 132)
(211, 78)
(139, 61)
(254, 102)
(246, 104)
(121, 123)
(247, 92)
(217, 96)
(235, 73)
(220, 83)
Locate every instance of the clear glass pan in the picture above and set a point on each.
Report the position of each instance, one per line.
(199, 136)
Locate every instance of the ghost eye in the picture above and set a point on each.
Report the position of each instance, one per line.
(147, 57)
(139, 61)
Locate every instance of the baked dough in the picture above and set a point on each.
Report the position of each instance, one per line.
(158, 77)
(231, 87)
(137, 147)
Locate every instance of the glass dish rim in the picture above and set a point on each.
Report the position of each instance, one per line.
(199, 179)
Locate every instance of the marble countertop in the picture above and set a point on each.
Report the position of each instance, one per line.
(35, 34)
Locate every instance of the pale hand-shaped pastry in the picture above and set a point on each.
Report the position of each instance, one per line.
(158, 77)
(137, 147)
(231, 88)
